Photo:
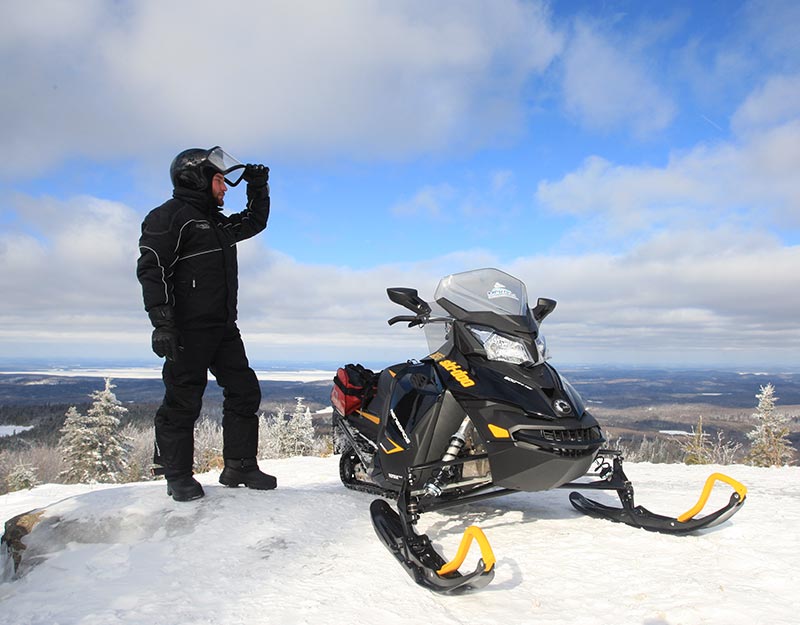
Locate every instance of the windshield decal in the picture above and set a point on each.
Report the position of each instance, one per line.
(500, 290)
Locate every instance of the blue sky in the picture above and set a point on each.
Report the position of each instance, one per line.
(636, 161)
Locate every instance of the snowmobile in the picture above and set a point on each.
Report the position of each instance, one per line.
(482, 416)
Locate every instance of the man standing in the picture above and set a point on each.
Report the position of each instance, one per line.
(189, 277)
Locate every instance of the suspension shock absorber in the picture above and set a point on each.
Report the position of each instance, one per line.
(433, 487)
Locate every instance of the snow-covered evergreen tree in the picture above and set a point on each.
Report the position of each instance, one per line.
(301, 430)
(770, 438)
(207, 445)
(23, 476)
(272, 434)
(281, 437)
(92, 444)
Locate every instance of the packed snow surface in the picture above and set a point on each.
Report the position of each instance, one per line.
(307, 553)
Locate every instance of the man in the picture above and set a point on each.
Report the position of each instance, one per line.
(189, 277)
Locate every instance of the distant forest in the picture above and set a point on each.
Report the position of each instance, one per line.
(630, 403)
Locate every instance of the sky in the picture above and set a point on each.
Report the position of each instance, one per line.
(306, 553)
(636, 161)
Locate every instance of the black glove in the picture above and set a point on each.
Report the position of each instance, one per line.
(256, 175)
(165, 343)
(165, 340)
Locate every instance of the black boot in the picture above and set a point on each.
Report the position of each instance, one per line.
(245, 471)
(184, 488)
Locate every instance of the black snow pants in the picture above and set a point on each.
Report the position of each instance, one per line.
(221, 351)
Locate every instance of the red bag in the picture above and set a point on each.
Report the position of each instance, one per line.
(353, 387)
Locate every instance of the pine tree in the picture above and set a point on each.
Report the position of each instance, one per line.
(770, 438)
(301, 430)
(22, 476)
(92, 445)
(272, 435)
(695, 448)
(281, 437)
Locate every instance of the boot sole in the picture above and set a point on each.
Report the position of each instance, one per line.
(235, 484)
(198, 496)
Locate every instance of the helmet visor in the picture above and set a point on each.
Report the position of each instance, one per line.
(225, 164)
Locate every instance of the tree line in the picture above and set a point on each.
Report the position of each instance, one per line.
(94, 447)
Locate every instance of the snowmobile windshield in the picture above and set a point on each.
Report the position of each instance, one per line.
(484, 290)
(225, 164)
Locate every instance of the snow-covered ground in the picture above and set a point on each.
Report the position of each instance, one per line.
(307, 553)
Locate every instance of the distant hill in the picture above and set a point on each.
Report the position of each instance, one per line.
(626, 400)
(39, 389)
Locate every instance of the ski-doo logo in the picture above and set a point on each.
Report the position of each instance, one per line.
(460, 376)
(202, 225)
(500, 290)
(562, 406)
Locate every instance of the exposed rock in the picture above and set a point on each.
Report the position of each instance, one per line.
(16, 529)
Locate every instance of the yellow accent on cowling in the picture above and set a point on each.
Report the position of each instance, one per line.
(369, 417)
(473, 532)
(394, 450)
(499, 432)
(737, 486)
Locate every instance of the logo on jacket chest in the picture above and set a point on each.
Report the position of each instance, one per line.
(202, 225)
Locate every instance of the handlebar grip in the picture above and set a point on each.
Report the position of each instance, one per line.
(400, 318)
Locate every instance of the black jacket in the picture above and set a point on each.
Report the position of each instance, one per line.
(188, 255)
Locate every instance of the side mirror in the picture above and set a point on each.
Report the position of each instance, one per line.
(409, 298)
(543, 308)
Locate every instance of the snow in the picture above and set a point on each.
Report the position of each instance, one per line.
(307, 553)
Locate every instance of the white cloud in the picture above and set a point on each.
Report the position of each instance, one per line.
(684, 297)
(678, 307)
(752, 182)
(502, 180)
(429, 201)
(769, 28)
(372, 78)
(68, 259)
(775, 103)
(607, 87)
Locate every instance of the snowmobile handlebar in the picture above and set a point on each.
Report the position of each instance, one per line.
(412, 320)
(418, 320)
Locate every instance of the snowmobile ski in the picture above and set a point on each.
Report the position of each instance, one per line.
(422, 562)
(641, 517)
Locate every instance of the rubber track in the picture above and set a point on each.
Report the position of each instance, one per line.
(365, 487)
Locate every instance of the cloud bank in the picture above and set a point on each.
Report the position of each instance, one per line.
(377, 79)
(690, 258)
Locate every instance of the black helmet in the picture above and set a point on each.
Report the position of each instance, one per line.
(194, 168)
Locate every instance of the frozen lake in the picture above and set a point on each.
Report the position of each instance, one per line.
(10, 430)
